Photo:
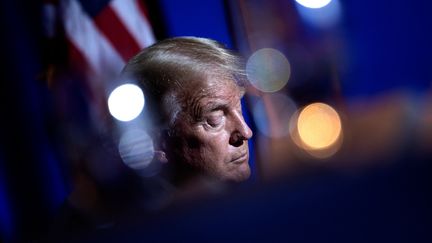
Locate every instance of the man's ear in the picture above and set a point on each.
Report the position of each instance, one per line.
(160, 156)
(160, 147)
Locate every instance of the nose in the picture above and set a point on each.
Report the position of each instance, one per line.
(241, 131)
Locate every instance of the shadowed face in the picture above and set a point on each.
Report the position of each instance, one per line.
(211, 134)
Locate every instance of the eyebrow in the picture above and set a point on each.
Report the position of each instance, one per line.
(213, 106)
(197, 111)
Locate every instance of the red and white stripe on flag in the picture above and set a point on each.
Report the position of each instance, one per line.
(100, 44)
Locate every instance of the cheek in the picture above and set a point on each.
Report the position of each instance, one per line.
(218, 146)
(202, 148)
(214, 150)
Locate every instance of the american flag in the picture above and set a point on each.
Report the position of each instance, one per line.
(101, 35)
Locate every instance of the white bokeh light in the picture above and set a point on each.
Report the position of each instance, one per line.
(268, 70)
(324, 16)
(313, 3)
(126, 102)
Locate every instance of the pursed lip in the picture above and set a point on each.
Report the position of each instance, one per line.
(240, 158)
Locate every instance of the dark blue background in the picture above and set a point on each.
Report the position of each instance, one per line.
(387, 48)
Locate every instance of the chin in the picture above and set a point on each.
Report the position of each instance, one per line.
(241, 174)
(244, 176)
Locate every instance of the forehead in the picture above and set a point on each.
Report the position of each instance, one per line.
(212, 92)
(219, 86)
(216, 89)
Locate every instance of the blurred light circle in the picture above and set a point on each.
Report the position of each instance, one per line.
(126, 102)
(326, 152)
(325, 16)
(272, 114)
(321, 153)
(313, 3)
(136, 149)
(268, 70)
(318, 126)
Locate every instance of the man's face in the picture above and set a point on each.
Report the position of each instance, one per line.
(211, 134)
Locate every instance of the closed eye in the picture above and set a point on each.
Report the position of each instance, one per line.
(215, 118)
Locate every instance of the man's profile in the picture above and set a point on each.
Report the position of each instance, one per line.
(193, 87)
